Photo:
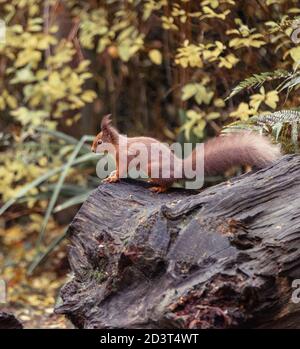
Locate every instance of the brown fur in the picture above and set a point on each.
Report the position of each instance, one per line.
(224, 152)
(220, 154)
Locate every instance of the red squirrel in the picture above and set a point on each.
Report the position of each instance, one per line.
(220, 154)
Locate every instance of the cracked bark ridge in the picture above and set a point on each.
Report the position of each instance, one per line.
(222, 258)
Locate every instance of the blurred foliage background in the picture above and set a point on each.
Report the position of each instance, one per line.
(176, 70)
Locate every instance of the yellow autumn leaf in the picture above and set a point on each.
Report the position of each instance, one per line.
(257, 99)
(194, 118)
(189, 55)
(199, 128)
(203, 96)
(11, 101)
(228, 61)
(272, 99)
(295, 54)
(13, 235)
(219, 103)
(271, 2)
(28, 56)
(2, 103)
(212, 116)
(188, 91)
(88, 96)
(43, 161)
(212, 3)
(155, 56)
(242, 112)
(168, 23)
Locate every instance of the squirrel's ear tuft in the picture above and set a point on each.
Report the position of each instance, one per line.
(106, 121)
(108, 131)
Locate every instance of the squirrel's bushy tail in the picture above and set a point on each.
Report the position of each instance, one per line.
(224, 152)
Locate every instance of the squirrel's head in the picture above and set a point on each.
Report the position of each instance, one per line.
(107, 135)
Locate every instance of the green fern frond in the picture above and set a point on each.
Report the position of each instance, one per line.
(241, 126)
(258, 80)
(282, 116)
(292, 82)
(283, 126)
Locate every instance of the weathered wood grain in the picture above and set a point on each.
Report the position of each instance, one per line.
(225, 257)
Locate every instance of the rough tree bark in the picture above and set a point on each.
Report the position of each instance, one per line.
(225, 257)
(9, 322)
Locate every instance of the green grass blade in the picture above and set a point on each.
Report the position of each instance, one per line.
(58, 188)
(35, 183)
(58, 134)
(65, 137)
(42, 256)
(78, 199)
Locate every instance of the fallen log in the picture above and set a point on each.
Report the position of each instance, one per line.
(226, 257)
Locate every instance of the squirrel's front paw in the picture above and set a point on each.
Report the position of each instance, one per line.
(112, 178)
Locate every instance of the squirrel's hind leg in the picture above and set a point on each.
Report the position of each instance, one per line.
(159, 189)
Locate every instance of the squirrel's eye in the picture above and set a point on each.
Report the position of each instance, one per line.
(99, 141)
